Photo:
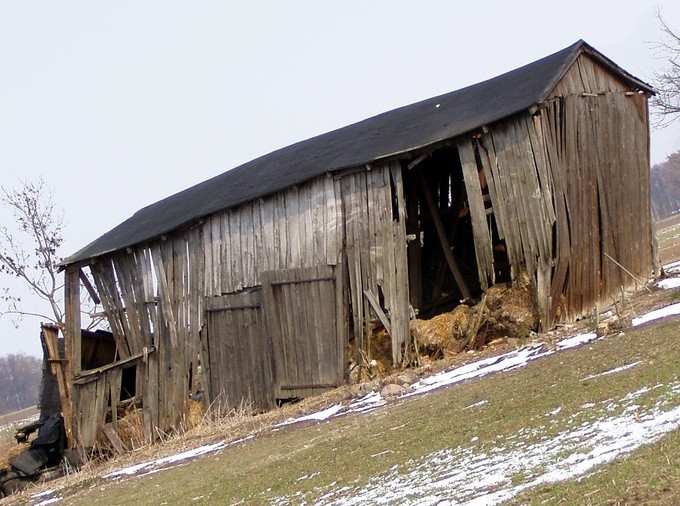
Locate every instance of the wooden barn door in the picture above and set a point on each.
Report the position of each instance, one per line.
(303, 313)
(238, 351)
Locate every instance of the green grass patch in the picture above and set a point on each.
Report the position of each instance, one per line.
(302, 463)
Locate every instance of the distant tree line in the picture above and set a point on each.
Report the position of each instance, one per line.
(20, 377)
(665, 187)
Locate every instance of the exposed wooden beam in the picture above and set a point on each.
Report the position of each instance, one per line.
(88, 286)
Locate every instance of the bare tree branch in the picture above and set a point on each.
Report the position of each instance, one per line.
(666, 103)
(29, 251)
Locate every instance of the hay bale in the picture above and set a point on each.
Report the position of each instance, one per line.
(512, 310)
(131, 429)
(195, 413)
(434, 332)
(461, 319)
(494, 296)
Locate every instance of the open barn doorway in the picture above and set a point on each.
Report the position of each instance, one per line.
(441, 248)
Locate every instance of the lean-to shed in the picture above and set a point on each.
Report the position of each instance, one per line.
(262, 275)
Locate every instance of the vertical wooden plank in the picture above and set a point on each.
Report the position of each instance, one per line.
(237, 273)
(216, 254)
(208, 257)
(227, 252)
(259, 253)
(72, 316)
(401, 314)
(480, 229)
(165, 302)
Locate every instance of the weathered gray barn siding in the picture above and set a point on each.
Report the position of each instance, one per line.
(155, 295)
(265, 292)
(559, 200)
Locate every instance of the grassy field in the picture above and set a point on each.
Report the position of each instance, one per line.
(350, 459)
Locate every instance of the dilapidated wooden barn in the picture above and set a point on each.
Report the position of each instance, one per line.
(261, 277)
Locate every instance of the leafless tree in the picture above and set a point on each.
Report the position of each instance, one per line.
(666, 103)
(29, 251)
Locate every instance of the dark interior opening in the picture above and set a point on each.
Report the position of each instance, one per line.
(97, 349)
(432, 284)
(128, 384)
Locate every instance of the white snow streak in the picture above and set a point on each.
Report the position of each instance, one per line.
(577, 340)
(671, 310)
(318, 416)
(154, 465)
(512, 360)
(612, 371)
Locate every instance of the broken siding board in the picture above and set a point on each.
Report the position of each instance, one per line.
(536, 196)
(150, 396)
(139, 282)
(165, 302)
(480, 229)
(506, 151)
(150, 291)
(504, 205)
(195, 292)
(401, 312)
(390, 284)
(550, 125)
(332, 228)
(527, 192)
(104, 280)
(125, 274)
(353, 261)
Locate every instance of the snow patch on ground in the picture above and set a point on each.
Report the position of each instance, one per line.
(669, 283)
(489, 476)
(153, 466)
(577, 340)
(318, 416)
(671, 310)
(672, 267)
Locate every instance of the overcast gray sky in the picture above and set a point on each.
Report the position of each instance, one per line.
(119, 104)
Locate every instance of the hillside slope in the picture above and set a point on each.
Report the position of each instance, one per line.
(555, 417)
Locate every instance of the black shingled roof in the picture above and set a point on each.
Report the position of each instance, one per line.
(391, 133)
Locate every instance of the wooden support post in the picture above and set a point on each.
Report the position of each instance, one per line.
(72, 342)
(443, 239)
(73, 325)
